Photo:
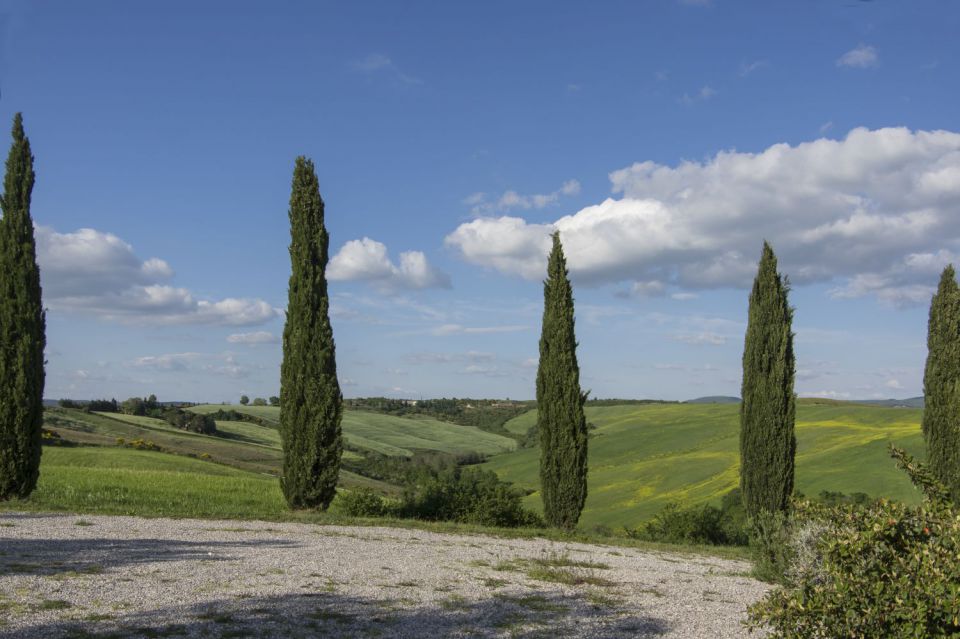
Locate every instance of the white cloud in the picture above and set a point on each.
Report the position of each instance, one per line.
(861, 57)
(377, 64)
(93, 272)
(457, 329)
(827, 394)
(89, 261)
(447, 358)
(367, 260)
(705, 93)
(258, 337)
(746, 68)
(894, 384)
(874, 212)
(511, 200)
(706, 337)
(222, 364)
(653, 288)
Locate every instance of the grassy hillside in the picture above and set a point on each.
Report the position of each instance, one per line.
(121, 481)
(395, 436)
(643, 457)
(242, 445)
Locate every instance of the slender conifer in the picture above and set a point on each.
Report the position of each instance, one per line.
(768, 408)
(22, 327)
(560, 420)
(941, 384)
(310, 399)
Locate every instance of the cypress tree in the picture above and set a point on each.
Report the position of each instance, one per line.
(768, 408)
(310, 399)
(22, 327)
(560, 420)
(941, 384)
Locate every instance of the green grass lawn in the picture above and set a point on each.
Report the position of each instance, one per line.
(642, 457)
(395, 436)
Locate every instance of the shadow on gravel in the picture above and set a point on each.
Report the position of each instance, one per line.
(528, 615)
(54, 556)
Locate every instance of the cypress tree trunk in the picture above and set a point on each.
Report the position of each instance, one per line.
(22, 328)
(767, 441)
(560, 419)
(310, 399)
(941, 384)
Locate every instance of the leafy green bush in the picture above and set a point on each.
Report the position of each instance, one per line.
(881, 570)
(193, 422)
(466, 495)
(724, 526)
(362, 502)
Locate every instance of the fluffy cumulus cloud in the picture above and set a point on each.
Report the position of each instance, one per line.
(875, 213)
(367, 260)
(94, 272)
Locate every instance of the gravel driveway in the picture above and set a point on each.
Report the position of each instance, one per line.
(88, 576)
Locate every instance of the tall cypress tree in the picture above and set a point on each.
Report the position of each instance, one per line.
(768, 408)
(310, 399)
(560, 419)
(941, 384)
(22, 327)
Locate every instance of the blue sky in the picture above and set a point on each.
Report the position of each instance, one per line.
(664, 139)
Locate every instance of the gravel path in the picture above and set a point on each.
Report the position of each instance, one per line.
(87, 576)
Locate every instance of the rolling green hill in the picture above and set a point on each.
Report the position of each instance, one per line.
(243, 446)
(122, 481)
(642, 457)
(395, 436)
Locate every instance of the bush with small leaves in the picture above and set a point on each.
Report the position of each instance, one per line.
(466, 495)
(362, 502)
(882, 570)
(723, 526)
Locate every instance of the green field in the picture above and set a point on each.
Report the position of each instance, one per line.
(642, 457)
(241, 445)
(121, 481)
(395, 436)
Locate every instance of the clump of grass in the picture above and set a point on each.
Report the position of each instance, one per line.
(493, 582)
(568, 577)
(455, 602)
(83, 522)
(537, 603)
(600, 599)
(563, 560)
(53, 604)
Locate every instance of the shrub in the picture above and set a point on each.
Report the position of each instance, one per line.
(466, 495)
(193, 422)
(884, 569)
(705, 524)
(51, 438)
(362, 502)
